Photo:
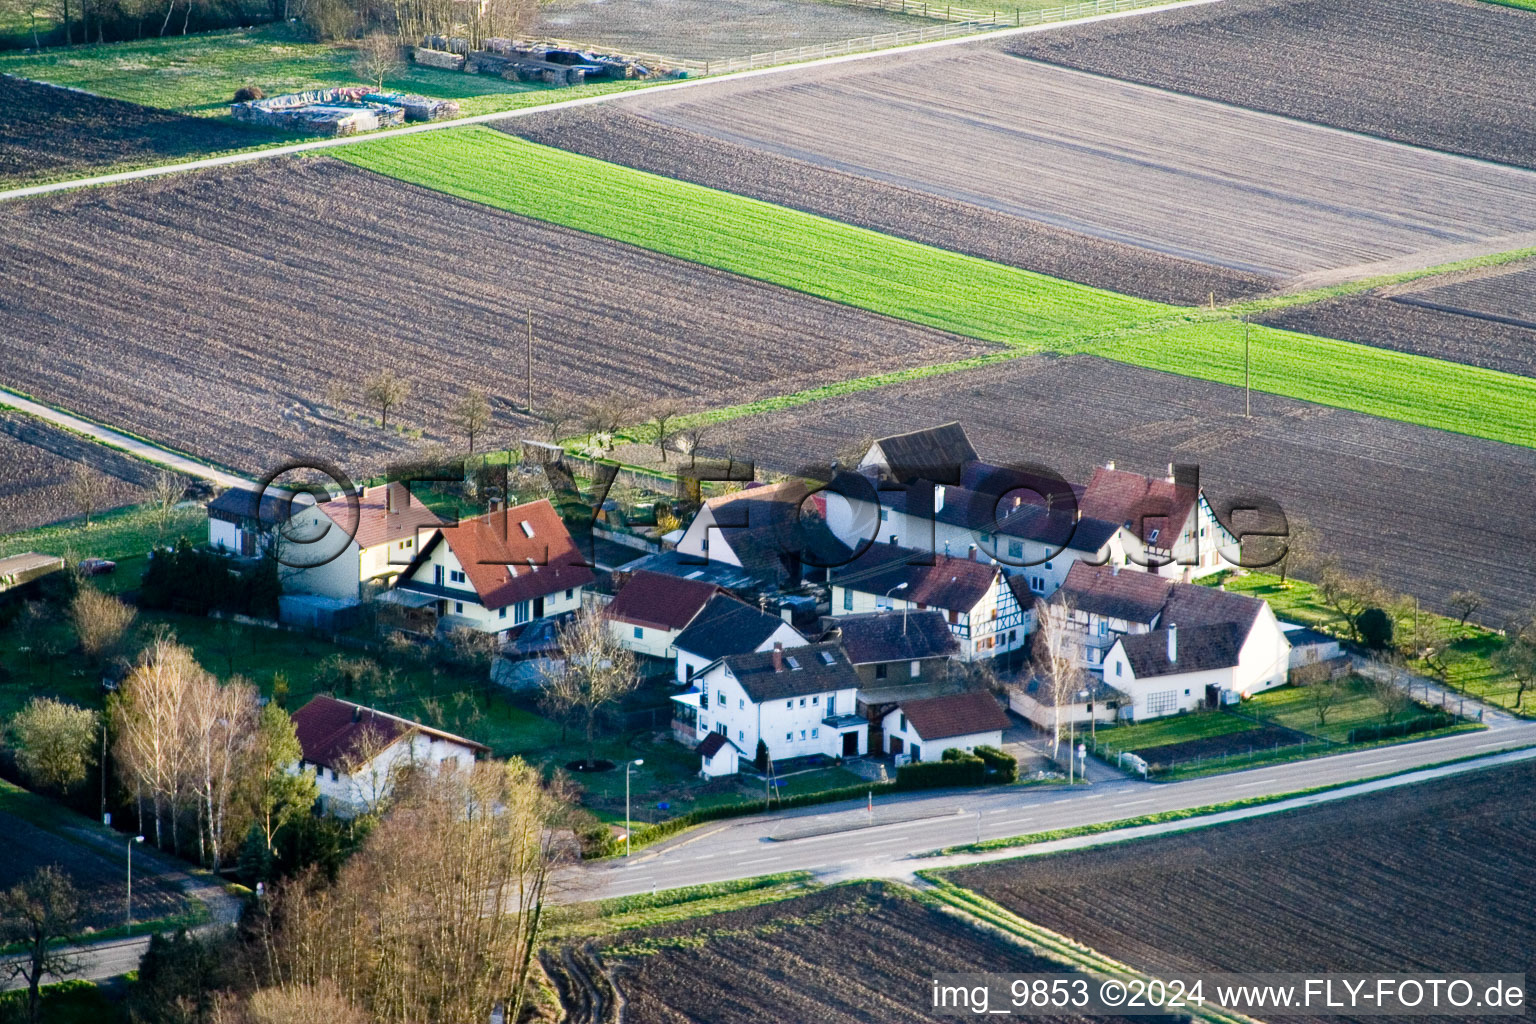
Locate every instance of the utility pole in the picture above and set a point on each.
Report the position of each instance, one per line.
(1247, 374)
(103, 765)
(530, 361)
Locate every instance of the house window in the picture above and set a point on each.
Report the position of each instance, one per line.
(720, 697)
(1118, 664)
(802, 702)
(1152, 536)
(639, 633)
(879, 671)
(569, 592)
(903, 726)
(917, 752)
(527, 528)
(1103, 627)
(986, 538)
(1164, 703)
(704, 699)
(815, 733)
(1047, 566)
(789, 704)
(1015, 549)
(501, 612)
(802, 735)
(741, 703)
(815, 701)
(689, 676)
(437, 575)
(456, 576)
(847, 600)
(458, 607)
(917, 669)
(740, 735)
(520, 611)
(1037, 584)
(789, 737)
(885, 514)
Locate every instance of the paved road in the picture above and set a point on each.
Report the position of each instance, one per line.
(743, 848)
(323, 144)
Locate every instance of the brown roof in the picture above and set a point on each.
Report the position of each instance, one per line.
(513, 555)
(955, 714)
(331, 730)
(1196, 649)
(1141, 504)
(953, 584)
(380, 515)
(940, 452)
(660, 601)
(1134, 595)
(711, 744)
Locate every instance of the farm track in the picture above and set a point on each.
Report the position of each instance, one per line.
(1388, 497)
(51, 132)
(1169, 173)
(1439, 73)
(36, 463)
(616, 135)
(1406, 327)
(213, 312)
(1423, 878)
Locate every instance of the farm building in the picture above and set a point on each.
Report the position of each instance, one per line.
(982, 610)
(652, 609)
(356, 751)
(243, 522)
(1310, 647)
(728, 626)
(798, 701)
(926, 727)
(340, 111)
(498, 571)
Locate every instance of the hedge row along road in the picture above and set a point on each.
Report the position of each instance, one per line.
(944, 289)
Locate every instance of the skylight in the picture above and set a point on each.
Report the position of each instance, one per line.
(527, 528)
(792, 662)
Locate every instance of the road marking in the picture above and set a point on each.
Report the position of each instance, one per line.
(1256, 782)
(1134, 803)
(705, 856)
(1001, 810)
(759, 860)
(1373, 764)
(1063, 800)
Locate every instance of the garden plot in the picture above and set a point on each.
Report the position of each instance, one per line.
(713, 29)
(1439, 73)
(1169, 173)
(609, 133)
(37, 463)
(51, 132)
(1387, 497)
(237, 314)
(1419, 878)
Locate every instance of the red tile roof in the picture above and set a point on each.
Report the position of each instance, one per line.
(1129, 593)
(660, 601)
(953, 584)
(514, 555)
(331, 730)
(955, 714)
(1141, 503)
(380, 515)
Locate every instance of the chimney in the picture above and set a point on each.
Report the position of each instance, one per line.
(970, 552)
(1170, 473)
(1110, 464)
(778, 656)
(389, 498)
(938, 498)
(1173, 645)
(1114, 570)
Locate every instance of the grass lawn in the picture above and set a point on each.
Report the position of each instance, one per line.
(69, 1002)
(1468, 660)
(1026, 311)
(121, 535)
(1290, 706)
(1160, 732)
(199, 74)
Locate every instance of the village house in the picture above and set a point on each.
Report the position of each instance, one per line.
(652, 609)
(357, 752)
(898, 656)
(344, 543)
(980, 607)
(797, 701)
(924, 728)
(773, 532)
(242, 521)
(728, 625)
(1169, 646)
(1169, 525)
(498, 571)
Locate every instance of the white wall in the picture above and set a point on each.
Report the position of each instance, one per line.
(974, 626)
(651, 641)
(933, 750)
(348, 795)
(747, 722)
(1265, 659)
(468, 607)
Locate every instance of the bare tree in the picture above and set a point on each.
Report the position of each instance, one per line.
(594, 670)
(320, 1003)
(438, 916)
(35, 914)
(1322, 696)
(690, 440)
(165, 491)
(386, 389)
(377, 57)
(662, 416)
(556, 416)
(473, 416)
(88, 492)
(153, 751)
(222, 724)
(1464, 604)
(1350, 596)
(1517, 655)
(1058, 663)
(101, 622)
(1389, 686)
(55, 743)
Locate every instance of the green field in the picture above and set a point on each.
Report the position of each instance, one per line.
(199, 74)
(1160, 732)
(1028, 312)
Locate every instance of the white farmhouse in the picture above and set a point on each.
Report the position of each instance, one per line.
(357, 752)
(338, 545)
(925, 728)
(1184, 667)
(797, 701)
(725, 626)
(499, 570)
(1168, 524)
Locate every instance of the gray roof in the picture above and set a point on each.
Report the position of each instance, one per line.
(237, 504)
(940, 450)
(1198, 649)
(984, 511)
(726, 626)
(1127, 593)
(893, 636)
(814, 668)
(952, 584)
(1190, 604)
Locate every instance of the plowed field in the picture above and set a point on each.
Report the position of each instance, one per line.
(37, 463)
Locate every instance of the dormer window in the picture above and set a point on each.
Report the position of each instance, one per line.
(793, 663)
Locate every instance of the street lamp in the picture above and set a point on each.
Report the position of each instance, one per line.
(637, 762)
(131, 842)
(888, 593)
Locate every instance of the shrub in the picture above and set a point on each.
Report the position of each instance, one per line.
(1385, 731)
(1375, 628)
(1001, 767)
(963, 770)
(247, 93)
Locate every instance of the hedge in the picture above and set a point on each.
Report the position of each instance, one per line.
(1000, 766)
(957, 769)
(1426, 723)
